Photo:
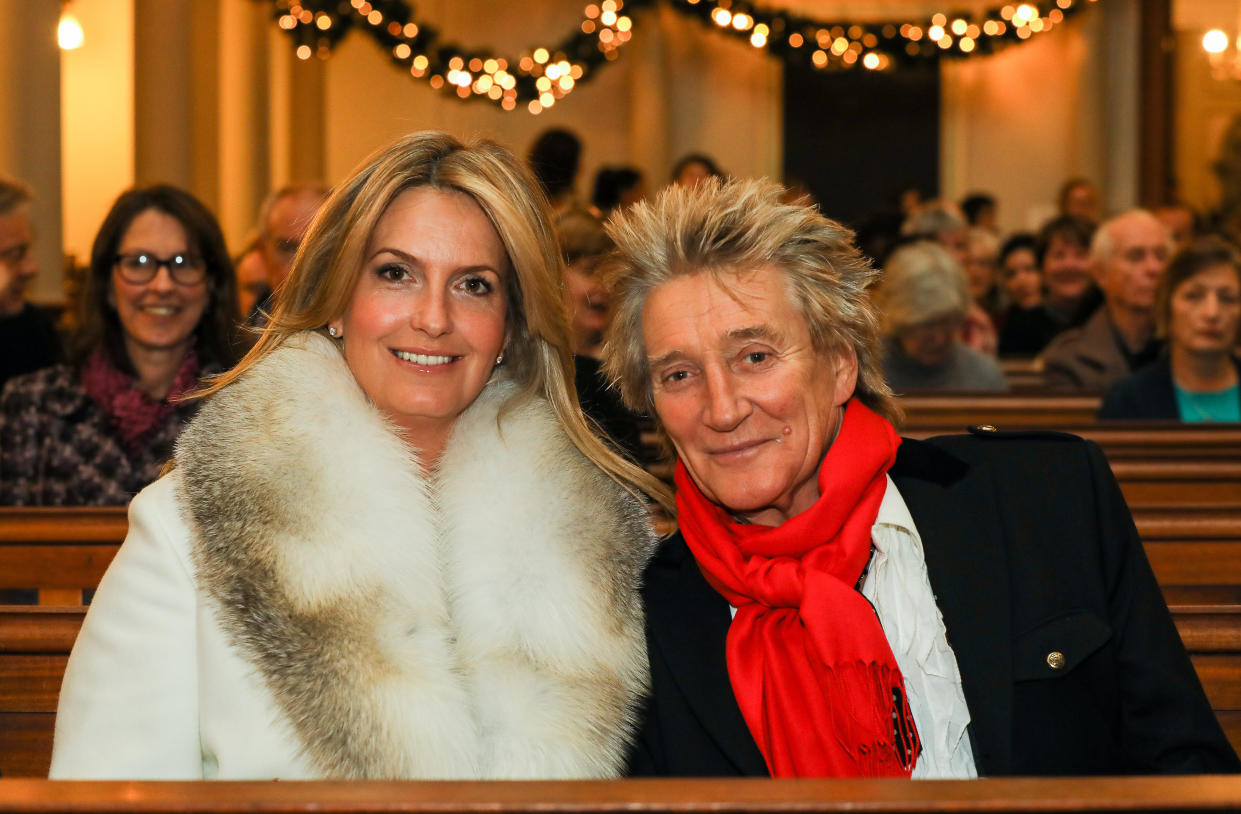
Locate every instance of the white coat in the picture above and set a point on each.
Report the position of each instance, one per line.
(297, 599)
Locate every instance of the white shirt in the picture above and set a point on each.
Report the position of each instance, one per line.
(897, 585)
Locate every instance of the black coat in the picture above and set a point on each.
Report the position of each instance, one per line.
(1029, 549)
(1146, 395)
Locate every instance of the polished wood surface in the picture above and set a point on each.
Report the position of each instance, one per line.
(688, 796)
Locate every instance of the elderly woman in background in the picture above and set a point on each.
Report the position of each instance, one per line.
(1026, 325)
(391, 547)
(924, 300)
(158, 312)
(843, 602)
(1198, 312)
(943, 222)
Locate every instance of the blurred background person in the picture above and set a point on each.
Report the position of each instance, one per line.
(981, 210)
(1198, 312)
(1071, 294)
(28, 339)
(694, 168)
(981, 265)
(616, 187)
(1079, 198)
(923, 300)
(555, 158)
(583, 243)
(284, 217)
(1127, 257)
(1026, 326)
(252, 285)
(159, 312)
(943, 222)
(1181, 220)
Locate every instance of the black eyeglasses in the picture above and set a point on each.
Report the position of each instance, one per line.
(140, 268)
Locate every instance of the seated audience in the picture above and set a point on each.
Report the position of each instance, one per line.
(1198, 312)
(1127, 256)
(981, 264)
(1181, 221)
(28, 340)
(840, 601)
(1079, 198)
(1064, 256)
(616, 187)
(583, 243)
(284, 217)
(694, 168)
(390, 546)
(981, 210)
(159, 312)
(923, 301)
(1026, 325)
(942, 221)
(252, 285)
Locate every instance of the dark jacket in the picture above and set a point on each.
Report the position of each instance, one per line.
(1029, 549)
(58, 447)
(1146, 395)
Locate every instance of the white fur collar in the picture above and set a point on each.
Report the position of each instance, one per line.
(485, 624)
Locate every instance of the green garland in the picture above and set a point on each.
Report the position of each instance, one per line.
(541, 76)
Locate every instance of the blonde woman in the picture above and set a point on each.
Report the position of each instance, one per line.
(390, 546)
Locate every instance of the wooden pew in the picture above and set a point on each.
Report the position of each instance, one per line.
(35, 644)
(59, 550)
(1206, 793)
(953, 412)
(1179, 482)
(34, 648)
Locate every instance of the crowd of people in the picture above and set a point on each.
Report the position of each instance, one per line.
(392, 518)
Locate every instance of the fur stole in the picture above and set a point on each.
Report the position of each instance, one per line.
(484, 622)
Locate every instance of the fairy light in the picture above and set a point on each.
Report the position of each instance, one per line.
(545, 75)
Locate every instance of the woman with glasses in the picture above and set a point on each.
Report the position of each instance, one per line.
(158, 312)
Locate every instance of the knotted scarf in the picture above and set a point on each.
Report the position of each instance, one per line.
(813, 673)
(135, 414)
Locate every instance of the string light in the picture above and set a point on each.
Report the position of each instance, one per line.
(543, 75)
(842, 45)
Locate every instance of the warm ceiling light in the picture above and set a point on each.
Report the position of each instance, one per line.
(69, 32)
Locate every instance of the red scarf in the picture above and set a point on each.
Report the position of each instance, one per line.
(135, 414)
(809, 663)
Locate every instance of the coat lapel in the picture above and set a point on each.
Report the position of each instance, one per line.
(689, 624)
(954, 509)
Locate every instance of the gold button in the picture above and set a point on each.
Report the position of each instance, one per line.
(986, 428)
(1055, 660)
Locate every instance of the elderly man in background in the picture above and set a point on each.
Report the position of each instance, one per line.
(284, 218)
(1128, 255)
(28, 340)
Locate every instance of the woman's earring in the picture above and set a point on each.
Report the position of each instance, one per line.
(500, 360)
(331, 331)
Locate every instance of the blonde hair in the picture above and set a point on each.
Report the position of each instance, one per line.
(537, 356)
(723, 227)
